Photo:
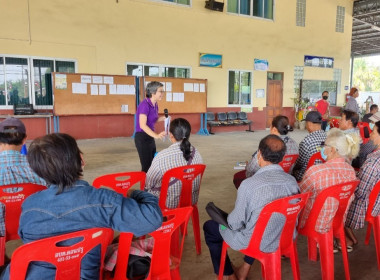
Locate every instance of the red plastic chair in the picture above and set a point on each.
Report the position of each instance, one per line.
(342, 193)
(12, 202)
(66, 259)
(287, 162)
(167, 249)
(334, 122)
(313, 159)
(186, 174)
(271, 262)
(121, 182)
(362, 127)
(373, 222)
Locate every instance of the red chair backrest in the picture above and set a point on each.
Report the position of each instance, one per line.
(289, 207)
(66, 259)
(313, 159)
(186, 174)
(12, 202)
(342, 193)
(365, 131)
(121, 182)
(287, 162)
(372, 200)
(334, 122)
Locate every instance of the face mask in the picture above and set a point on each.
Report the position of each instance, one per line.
(323, 155)
(325, 97)
(371, 126)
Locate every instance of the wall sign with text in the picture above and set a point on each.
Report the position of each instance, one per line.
(210, 60)
(319, 61)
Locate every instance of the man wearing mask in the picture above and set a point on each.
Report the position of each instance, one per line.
(322, 107)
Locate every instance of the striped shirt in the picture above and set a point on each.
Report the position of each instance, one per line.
(167, 159)
(15, 169)
(291, 149)
(369, 175)
(268, 184)
(307, 148)
(316, 179)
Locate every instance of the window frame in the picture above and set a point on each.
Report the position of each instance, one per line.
(251, 12)
(251, 93)
(174, 3)
(161, 68)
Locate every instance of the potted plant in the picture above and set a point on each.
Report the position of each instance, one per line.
(301, 108)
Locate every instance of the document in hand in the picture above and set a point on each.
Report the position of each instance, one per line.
(217, 214)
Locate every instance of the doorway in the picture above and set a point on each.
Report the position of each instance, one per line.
(274, 95)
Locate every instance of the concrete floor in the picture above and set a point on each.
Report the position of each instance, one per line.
(220, 153)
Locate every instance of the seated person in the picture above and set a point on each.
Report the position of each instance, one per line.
(372, 110)
(280, 127)
(180, 153)
(310, 143)
(369, 175)
(349, 122)
(15, 168)
(71, 204)
(270, 180)
(338, 148)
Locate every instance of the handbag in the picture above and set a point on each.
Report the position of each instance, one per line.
(217, 214)
(138, 267)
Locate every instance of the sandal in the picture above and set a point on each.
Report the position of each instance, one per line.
(349, 247)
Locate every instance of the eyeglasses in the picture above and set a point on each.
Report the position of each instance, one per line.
(162, 91)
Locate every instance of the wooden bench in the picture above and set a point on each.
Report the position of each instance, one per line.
(228, 119)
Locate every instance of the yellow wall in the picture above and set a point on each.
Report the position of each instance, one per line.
(102, 35)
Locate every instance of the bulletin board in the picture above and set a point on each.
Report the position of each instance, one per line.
(182, 95)
(88, 94)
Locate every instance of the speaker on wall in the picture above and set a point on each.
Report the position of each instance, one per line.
(215, 6)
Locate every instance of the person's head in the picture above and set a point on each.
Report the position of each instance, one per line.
(375, 134)
(349, 119)
(374, 109)
(57, 159)
(154, 89)
(280, 125)
(313, 121)
(325, 95)
(271, 150)
(354, 92)
(339, 144)
(180, 130)
(12, 134)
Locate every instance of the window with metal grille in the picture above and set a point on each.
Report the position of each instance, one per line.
(340, 13)
(300, 12)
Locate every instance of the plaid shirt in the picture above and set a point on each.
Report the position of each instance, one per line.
(167, 159)
(307, 148)
(291, 149)
(369, 175)
(14, 169)
(319, 177)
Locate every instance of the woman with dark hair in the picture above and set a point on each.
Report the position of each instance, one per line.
(280, 127)
(180, 153)
(146, 118)
(71, 204)
(352, 104)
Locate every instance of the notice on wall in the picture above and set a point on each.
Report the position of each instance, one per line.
(169, 97)
(79, 88)
(168, 86)
(97, 79)
(102, 89)
(188, 87)
(85, 79)
(108, 80)
(113, 89)
(202, 88)
(124, 108)
(60, 81)
(94, 90)
(196, 87)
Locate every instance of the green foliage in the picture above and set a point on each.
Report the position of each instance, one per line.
(366, 76)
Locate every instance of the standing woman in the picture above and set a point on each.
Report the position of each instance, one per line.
(352, 104)
(147, 116)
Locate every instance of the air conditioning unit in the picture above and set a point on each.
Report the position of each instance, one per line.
(215, 6)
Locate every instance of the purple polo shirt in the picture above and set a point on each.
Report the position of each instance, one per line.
(146, 108)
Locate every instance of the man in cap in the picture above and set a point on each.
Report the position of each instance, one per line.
(14, 167)
(310, 143)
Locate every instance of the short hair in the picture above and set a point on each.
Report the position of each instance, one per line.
(347, 145)
(152, 88)
(377, 127)
(281, 123)
(56, 158)
(352, 91)
(272, 148)
(10, 138)
(351, 116)
(324, 92)
(373, 107)
(181, 129)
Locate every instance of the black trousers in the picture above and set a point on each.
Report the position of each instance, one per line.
(146, 147)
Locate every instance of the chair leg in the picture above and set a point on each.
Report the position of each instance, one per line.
(376, 233)
(312, 249)
(196, 229)
(293, 254)
(2, 250)
(342, 238)
(326, 256)
(222, 261)
(368, 234)
(271, 267)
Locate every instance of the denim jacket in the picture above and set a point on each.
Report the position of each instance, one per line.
(79, 207)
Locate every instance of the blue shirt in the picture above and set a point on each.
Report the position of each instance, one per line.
(151, 111)
(79, 207)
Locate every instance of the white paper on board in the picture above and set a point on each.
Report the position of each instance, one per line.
(131, 90)
(94, 89)
(108, 80)
(181, 97)
(168, 86)
(97, 79)
(85, 79)
(196, 87)
(124, 108)
(79, 88)
(121, 89)
(202, 88)
(169, 97)
(102, 89)
(175, 96)
(112, 89)
(188, 87)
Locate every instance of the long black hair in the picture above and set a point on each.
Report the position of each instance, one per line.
(281, 123)
(181, 129)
